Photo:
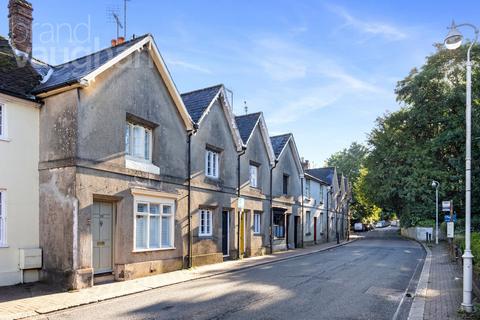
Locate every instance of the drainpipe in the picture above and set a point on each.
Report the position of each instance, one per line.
(271, 204)
(189, 202)
(239, 213)
(301, 217)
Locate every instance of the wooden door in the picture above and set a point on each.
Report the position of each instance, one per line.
(315, 229)
(225, 232)
(102, 218)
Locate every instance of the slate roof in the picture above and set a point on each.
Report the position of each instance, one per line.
(72, 71)
(325, 174)
(198, 101)
(17, 75)
(279, 142)
(246, 124)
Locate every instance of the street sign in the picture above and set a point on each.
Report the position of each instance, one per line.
(241, 203)
(446, 205)
(447, 218)
(450, 229)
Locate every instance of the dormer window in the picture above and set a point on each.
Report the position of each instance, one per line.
(138, 142)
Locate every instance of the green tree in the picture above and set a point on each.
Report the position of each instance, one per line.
(425, 140)
(349, 161)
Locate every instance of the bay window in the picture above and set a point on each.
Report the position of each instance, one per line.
(154, 224)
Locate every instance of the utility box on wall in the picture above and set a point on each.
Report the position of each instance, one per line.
(30, 259)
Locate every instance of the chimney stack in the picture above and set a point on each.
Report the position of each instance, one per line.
(20, 25)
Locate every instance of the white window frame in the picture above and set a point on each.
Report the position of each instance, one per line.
(205, 215)
(130, 146)
(322, 190)
(308, 187)
(3, 122)
(257, 223)
(3, 218)
(156, 201)
(212, 169)
(253, 170)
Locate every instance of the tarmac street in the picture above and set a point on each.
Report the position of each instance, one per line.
(372, 278)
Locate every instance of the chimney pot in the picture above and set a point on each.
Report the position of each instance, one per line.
(114, 42)
(120, 40)
(20, 17)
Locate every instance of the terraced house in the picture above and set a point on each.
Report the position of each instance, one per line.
(108, 172)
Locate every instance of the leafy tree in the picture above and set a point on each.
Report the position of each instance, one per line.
(425, 140)
(348, 161)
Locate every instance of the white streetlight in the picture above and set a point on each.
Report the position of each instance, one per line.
(436, 185)
(453, 41)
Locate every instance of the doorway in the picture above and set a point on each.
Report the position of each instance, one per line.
(295, 230)
(315, 230)
(102, 236)
(225, 233)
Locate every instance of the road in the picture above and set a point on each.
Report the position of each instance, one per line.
(367, 279)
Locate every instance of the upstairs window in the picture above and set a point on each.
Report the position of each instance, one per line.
(322, 190)
(211, 164)
(138, 141)
(253, 175)
(285, 184)
(307, 188)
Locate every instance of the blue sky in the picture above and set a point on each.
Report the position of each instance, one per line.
(323, 70)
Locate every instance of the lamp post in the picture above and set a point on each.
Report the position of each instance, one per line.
(453, 40)
(436, 185)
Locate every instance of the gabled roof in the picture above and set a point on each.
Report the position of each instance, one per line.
(325, 174)
(83, 71)
(73, 71)
(18, 75)
(198, 101)
(246, 126)
(279, 142)
(309, 176)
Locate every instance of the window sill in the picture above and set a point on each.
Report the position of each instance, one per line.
(4, 138)
(257, 234)
(137, 164)
(205, 236)
(4, 246)
(151, 250)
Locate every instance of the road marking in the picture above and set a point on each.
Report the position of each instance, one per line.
(395, 315)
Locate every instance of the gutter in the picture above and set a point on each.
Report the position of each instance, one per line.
(239, 213)
(271, 204)
(190, 133)
(301, 218)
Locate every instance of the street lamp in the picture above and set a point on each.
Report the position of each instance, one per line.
(453, 41)
(436, 185)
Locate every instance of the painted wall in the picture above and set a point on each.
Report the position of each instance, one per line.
(19, 178)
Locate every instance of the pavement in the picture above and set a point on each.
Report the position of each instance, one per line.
(22, 301)
(439, 291)
(367, 279)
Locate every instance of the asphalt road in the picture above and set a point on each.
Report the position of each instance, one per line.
(367, 279)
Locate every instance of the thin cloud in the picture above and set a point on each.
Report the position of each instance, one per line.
(372, 28)
(189, 66)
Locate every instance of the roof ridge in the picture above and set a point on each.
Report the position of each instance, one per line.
(104, 49)
(202, 89)
(281, 135)
(249, 114)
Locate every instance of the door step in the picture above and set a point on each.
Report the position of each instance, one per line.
(103, 278)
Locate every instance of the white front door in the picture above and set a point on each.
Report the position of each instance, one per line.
(102, 214)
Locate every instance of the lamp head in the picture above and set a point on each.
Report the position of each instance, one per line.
(454, 38)
(434, 184)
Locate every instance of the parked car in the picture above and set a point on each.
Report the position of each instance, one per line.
(358, 226)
